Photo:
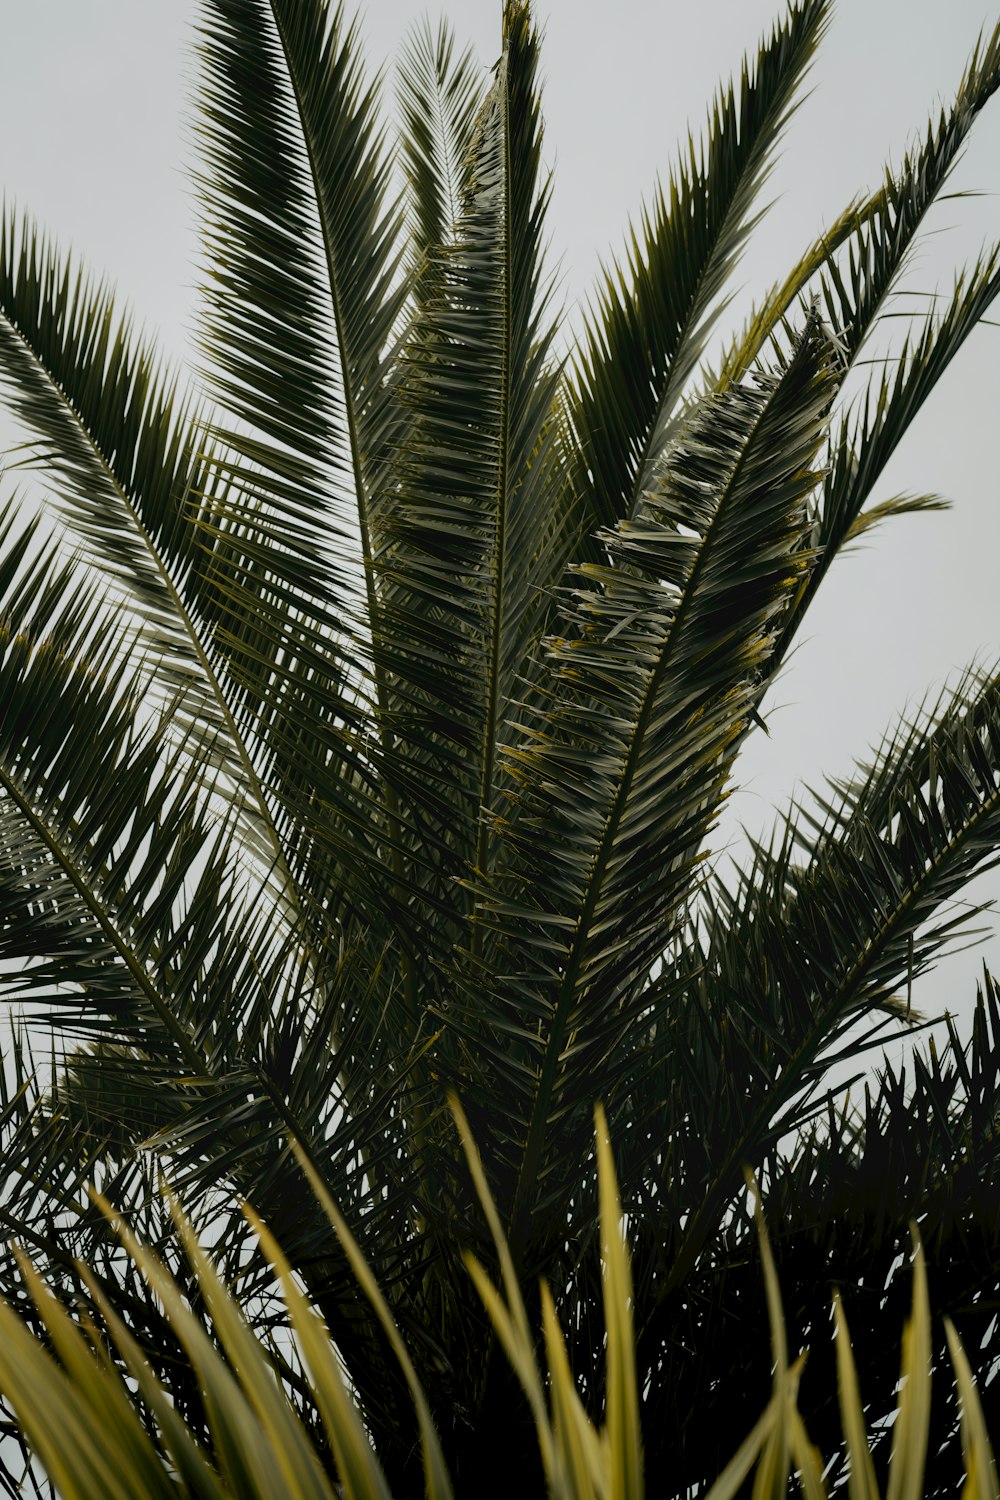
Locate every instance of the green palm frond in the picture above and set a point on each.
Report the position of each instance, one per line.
(855, 290)
(476, 525)
(856, 266)
(126, 458)
(120, 450)
(622, 778)
(73, 848)
(862, 447)
(296, 221)
(304, 293)
(118, 445)
(866, 437)
(508, 175)
(922, 1146)
(653, 315)
(440, 96)
(137, 922)
(815, 941)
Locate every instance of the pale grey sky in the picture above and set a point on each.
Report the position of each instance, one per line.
(95, 122)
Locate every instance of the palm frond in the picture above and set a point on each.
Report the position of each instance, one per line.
(440, 96)
(621, 778)
(855, 293)
(303, 285)
(171, 1065)
(848, 916)
(77, 860)
(125, 456)
(857, 265)
(865, 439)
(118, 444)
(477, 499)
(136, 920)
(304, 292)
(213, 1029)
(361, 735)
(654, 314)
(510, 166)
(919, 1143)
(864, 443)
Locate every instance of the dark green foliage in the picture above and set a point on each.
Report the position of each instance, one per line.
(364, 720)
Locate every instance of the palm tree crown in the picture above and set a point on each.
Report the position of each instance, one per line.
(364, 715)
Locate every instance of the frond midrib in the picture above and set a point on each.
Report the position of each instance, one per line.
(362, 496)
(499, 549)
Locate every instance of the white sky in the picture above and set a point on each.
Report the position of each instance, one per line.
(95, 122)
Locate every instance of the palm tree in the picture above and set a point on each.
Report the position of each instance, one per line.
(364, 716)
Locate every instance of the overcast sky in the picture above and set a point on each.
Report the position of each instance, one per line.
(95, 119)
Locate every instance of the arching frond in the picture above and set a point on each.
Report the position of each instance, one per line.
(653, 315)
(621, 778)
(853, 907)
(856, 265)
